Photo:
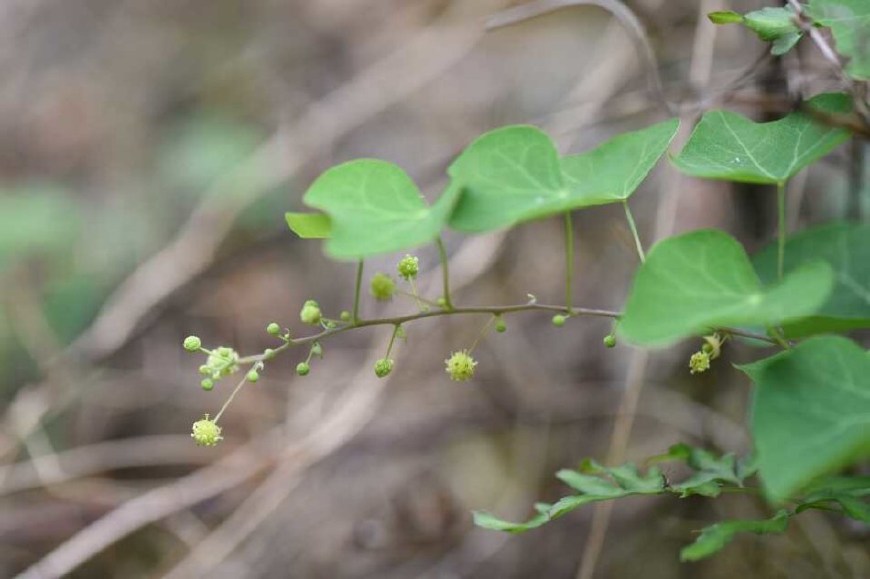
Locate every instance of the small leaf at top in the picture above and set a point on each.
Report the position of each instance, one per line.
(845, 248)
(849, 21)
(309, 225)
(771, 23)
(374, 207)
(725, 17)
(703, 280)
(810, 413)
(729, 146)
(514, 174)
(715, 537)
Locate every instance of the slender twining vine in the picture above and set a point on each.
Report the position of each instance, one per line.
(811, 399)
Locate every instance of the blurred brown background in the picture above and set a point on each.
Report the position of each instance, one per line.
(148, 151)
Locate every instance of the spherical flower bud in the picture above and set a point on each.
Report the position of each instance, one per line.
(204, 370)
(273, 329)
(441, 302)
(559, 320)
(252, 376)
(207, 384)
(268, 354)
(699, 362)
(609, 341)
(383, 367)
(408, 267)
(382, 286)
(206, 432)
(500, 325)
(310, 313)
(317, 349)
(344, 316)
(460, 366)
(302, 368)
(192, 343)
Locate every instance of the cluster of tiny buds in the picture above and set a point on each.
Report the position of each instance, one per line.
(408, 267)
(460, 366)
(383, 367)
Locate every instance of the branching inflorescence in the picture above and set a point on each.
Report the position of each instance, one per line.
(698, 285)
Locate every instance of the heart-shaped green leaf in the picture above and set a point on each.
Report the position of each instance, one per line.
(810, 413)
(846, 249)
(612, 171)
(728, 146)
(702, 280)
(849, 20)
(309, 225)
(374, 207)
(514, 174)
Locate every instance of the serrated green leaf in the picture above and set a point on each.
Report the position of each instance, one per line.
(374, 208)
(488, 521)
(849, 21)
(589, 484)
(567, 504)
(309, 225)
(629, 479)
(810, 413)
(728, 146)
(846, 249)
(702, 280)
(714, 538)
(514, 174)
(771, 23)
(725, 17)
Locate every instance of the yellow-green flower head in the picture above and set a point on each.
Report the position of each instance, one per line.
(382, 286)
(222, 362)
(460, 366)
(383, 367)
(699, 362)
(206, 432)
(310, 313)
(408, 267)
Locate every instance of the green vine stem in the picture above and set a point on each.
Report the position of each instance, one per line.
(473, 310)
(781, 228)
(356, 292)
(442, 254)
(569, 261)
(633, 227)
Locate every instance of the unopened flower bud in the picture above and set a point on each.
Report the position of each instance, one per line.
(273, 329)
(302, 368)
(192, 343)
(383, 367)
(559, 320)
(207, 384)
(382, 287)
(609, 341)
(310, 313)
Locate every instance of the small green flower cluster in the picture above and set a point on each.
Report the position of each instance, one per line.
(710, 350)
(221, 362)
